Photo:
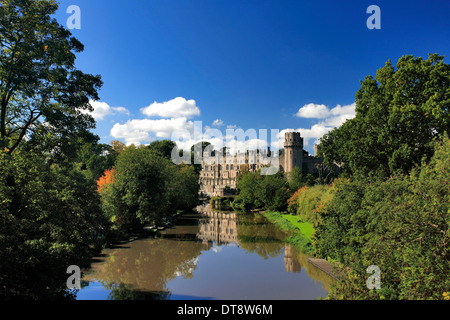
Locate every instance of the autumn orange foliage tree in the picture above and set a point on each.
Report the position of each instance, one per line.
(292, 201)
(106, 179)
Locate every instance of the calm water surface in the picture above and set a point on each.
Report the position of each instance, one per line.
(208, 255)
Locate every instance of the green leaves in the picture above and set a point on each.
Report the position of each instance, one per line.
(38, 81)
(257, 191)
(50, 218)
(147, 187)
(400, 224)
(398, 114)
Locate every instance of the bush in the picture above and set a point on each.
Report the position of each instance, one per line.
(50, 218)
(400, 225)
(307, 201)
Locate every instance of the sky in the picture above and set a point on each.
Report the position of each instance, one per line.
(170, 67)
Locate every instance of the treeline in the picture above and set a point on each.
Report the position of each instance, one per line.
(390, 207)
(52, 215)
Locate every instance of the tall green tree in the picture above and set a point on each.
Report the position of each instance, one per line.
(184, 187)
(50, 213)
(41, 91)
(398, 115)
(146, 187)
(273, 191)
(247, 186)
(140, 188)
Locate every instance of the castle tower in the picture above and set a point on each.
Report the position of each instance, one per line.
(293, 151)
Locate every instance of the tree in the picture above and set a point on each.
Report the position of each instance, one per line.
(49, 220)
(144, 188)
(247, 186)
(106, 179)
(398, 114)
(164, 147)
(273, 192)
(197, 154)
(184, 187)
(140, 186)
(117, 146)
(50, 214)
(41, 91)
(399, 224)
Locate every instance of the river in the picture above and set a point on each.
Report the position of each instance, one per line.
(206, 256)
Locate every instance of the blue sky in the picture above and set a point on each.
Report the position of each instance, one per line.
(261, 64)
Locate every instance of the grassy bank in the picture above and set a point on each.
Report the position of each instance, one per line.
(305, 227)
(298, 233)
(303, 207)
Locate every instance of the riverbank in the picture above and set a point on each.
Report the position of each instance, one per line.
(298, 232)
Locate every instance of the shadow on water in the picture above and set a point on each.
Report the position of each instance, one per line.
(206, 255)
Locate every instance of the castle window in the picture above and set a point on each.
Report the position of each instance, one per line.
(228, 167)
(232, 167)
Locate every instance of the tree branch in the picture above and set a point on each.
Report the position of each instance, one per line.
(30, 121)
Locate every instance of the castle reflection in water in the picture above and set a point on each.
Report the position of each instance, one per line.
(221, 228)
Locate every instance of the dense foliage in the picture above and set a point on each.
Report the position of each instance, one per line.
(50, 214)
(144, 187)
(268, 192)
(50, 218)
(400, 224)
(398, 115)
(393, 210)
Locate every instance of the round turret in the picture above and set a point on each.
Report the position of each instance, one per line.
(293, 151)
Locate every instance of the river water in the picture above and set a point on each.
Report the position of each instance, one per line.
(206, 255)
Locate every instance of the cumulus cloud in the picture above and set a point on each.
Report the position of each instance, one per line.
(321, 111)
(174, 113)
(312, 110)
(102, 109)
(175, 108)
(138, 131)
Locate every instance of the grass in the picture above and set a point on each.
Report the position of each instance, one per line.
(298, 233)
(305, 227)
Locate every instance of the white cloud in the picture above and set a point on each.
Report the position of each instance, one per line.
(121, 110)
(137, 130)
(217, 123)
(312, 110)
(102, 109)
(175, 108)
(321, 111)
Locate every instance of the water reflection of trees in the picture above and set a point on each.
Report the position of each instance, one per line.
(257, 235)
(147, 265)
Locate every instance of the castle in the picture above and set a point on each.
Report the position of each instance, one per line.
(220, 171)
